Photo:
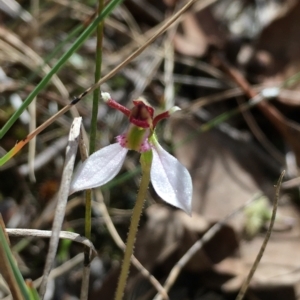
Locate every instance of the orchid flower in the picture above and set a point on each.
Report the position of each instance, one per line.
(170, 179)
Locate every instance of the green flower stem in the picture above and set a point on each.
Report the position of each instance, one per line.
(146, 160)
(58, 65)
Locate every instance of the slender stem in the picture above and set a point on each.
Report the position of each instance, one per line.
(96, 94)
(88, 197)
(262, 249)
(146, 159)
(88, 194)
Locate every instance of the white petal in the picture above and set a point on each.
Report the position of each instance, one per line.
(99, 168)
(171, 180)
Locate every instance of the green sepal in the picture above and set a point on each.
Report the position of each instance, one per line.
(135, 137)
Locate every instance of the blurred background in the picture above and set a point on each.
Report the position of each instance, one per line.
(218, 56)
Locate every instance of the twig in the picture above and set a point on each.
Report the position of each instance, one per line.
(267, 108)
(75, 237)
(259, 134)
(246, 283)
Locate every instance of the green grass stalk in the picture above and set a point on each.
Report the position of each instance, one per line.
(93, 132)
(14, 268)
(92, 148)
(96, 94)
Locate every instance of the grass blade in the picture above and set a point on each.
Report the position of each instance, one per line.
(9, 269)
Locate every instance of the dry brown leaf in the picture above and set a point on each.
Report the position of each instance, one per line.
(193, 41)
(199, 31)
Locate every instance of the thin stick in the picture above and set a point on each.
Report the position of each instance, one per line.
(246, 283)
(67, 235)
(284, 125)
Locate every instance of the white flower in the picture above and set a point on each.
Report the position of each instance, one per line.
(170, 179)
